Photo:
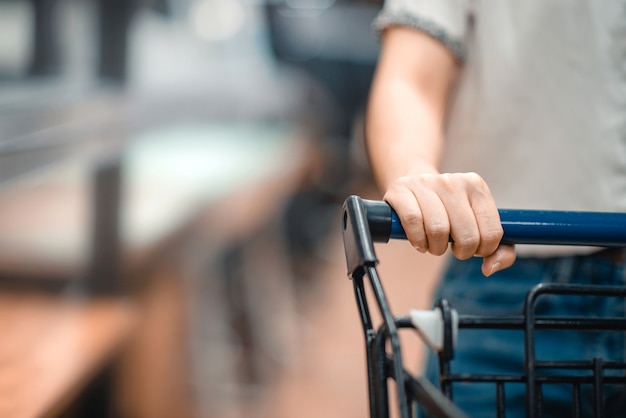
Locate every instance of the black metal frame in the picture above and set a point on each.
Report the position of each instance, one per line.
(381, 365)
(383, 349)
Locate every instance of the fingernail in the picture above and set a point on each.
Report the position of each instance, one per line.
(494, 268)
(420, 249)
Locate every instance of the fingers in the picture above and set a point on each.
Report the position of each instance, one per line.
(422, 213)
(406, 206)
(466, 238)
(437, 223)
(487, 218)
(474, 218)
(464, 230)
(435, 207)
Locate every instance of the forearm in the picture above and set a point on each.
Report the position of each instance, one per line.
(404, 134)
(406, 110)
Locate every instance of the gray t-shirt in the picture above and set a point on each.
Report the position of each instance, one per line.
(540, 108)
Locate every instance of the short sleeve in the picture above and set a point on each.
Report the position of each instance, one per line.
(444, 20)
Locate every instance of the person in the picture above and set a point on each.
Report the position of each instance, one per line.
(477, 105)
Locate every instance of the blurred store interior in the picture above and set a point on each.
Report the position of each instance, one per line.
(171, 179)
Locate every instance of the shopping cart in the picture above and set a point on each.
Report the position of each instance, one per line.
(367, 221)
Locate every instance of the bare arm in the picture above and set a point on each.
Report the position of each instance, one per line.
(404, 128)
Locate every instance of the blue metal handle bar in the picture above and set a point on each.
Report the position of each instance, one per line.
(552, 228)
(545, 227)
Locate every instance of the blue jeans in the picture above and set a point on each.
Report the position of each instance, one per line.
(502, 351)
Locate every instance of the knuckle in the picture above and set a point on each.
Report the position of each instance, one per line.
(473, 175)
(493, 235)
(412, 219)
(427, 177)
(438, 250)
(402, 181)
(474, 179)
(399, 186)
(460, 254)
(465, 246)
(395, 190)
(490, 242)
(420, 244)
(447, 181)
(468, 242)
(477, 187)
(438, 231)
(414, 227)
(436, 180)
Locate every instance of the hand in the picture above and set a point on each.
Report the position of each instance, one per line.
(434, 207)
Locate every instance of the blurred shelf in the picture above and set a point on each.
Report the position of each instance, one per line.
(169, 178)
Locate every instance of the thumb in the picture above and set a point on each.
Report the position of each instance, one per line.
(503, 257)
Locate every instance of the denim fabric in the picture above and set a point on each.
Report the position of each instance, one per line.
(498, 351)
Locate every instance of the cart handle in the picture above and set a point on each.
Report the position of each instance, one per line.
(368, 221)
(546, 227)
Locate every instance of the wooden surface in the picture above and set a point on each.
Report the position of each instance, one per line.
(154, 375)
(50, 346)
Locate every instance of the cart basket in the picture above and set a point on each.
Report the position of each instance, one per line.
(366, 222)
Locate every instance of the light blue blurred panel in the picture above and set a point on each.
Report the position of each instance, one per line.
(16, 39)
(218, 156)
(171, 173)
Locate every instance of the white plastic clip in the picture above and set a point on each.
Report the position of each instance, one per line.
(429, 325)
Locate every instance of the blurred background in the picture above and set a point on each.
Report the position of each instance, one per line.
(171, 178)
